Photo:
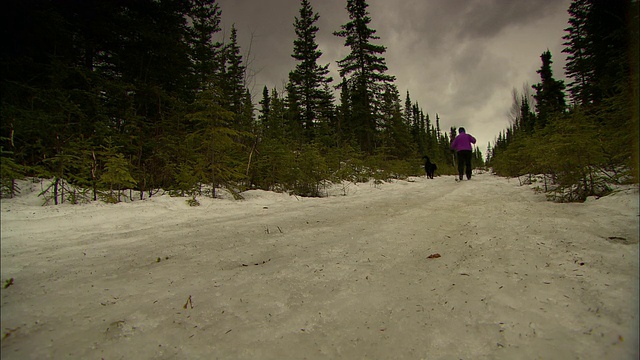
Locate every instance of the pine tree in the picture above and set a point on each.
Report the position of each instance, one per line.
(527, 117)
(233, 84)
(408, 109)
(453, 131)
(489, 155)
(579, 63)
(477, 160)
(608, 34)
(396, 136)
(366, 69)
(326, 129)
(549, 93)
(309, 79)
(295, 131)
(205, 18)
(117, 176)
(98, 70)
(419, 129)
(265, 108)
(432, 139)
(344, 116)
(9, 170)
(597, 43)
(219, 149)
(275, 125)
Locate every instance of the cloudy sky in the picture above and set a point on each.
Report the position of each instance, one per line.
(457, 58)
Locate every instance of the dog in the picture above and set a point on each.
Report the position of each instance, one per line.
(429, 167)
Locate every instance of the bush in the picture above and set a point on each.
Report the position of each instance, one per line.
(9, 173)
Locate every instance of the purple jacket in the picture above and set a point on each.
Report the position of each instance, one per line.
(463, 142)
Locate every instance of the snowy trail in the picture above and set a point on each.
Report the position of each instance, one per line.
(275, 277)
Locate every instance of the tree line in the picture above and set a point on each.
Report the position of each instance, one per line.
(103, 96)
(587, 140)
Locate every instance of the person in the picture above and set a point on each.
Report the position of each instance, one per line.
(462, 145)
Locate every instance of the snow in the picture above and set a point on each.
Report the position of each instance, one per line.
(347, 276)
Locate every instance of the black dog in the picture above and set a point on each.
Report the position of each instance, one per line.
(429, 167)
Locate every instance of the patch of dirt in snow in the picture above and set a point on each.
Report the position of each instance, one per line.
(277, 276)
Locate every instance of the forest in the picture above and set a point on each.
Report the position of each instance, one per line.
(106, 97)
(585, 141)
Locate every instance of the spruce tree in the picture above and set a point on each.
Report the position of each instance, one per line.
(345, 132)
(578, 67)
(309, 79)
(527, 116)
(609, 27)
(598, 40)
(274, 126)
(116, 176)
(396, 137)
(326, 129)
(205, 18)
(549, 95)
(233, 82)
(265, 108)
(364, 72)
(294, 125)
(408, 109)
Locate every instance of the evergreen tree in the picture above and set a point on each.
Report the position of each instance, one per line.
(549, 93)
(117, 176)
(205, 18)
(274, 126)
(248, 123)
(345, 132)
(527, 117)
(309, 79)
(489, 155)
(396, 138)
(597, 43)
(233, 84)
(408, 105)
(265, 109)
(94, 69)
(477, 161)
(366, 69)
(579, 63)
(219, 149)
(521, 116)
(419, 129)
(430, 140)
(294, 124)
(326, 129)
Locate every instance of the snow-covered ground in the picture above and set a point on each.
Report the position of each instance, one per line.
(351, 277)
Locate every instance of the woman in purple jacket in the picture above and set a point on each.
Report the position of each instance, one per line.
(462, 145)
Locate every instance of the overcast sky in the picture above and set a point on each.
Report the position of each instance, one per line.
(457, 58)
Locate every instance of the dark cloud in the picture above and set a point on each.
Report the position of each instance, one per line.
(483, 19)
(440, 21)
(457, 58)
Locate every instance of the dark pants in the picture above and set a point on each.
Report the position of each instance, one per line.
(464, 163)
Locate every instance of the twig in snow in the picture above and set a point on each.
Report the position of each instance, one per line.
(8, 283)
(189, 302)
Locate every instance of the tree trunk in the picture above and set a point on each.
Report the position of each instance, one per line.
(94, 183)
(55, 191)
(213, 168)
